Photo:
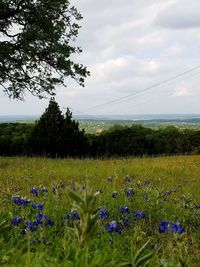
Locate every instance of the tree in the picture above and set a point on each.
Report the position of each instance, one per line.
(36, 45)
(46, 138)
(74, 139)
(56, 135)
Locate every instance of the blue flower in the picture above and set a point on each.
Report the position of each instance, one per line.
(34, 191)
(16, 220)
(113, 226)
(127, 179)
(44, 190)
(109, 179)
(197, 206)
(40, 206)
(72, 216)
(32, 226)
(129, 192)
(114, 194)
(139, 215)
(48, 223)
(124, 209)
(163, 226)
(126, 221)
(176, 228)
(103, 213)
(20, 201)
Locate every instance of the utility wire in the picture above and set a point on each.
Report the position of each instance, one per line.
(127, 97)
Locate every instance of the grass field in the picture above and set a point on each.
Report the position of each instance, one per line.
(116, 212)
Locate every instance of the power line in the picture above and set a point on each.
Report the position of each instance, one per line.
(127, 97)
(143, 93)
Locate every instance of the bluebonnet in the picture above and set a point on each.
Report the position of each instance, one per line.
(72, 216)
(124, 209)
(139, 215)
(129, 192)
(34, 191)
(20, 201)
(113, 226)
(110, 179)
(114, 194)
(39, 206)
(197, 206)
(163, 226)
(16, 220)
(43, 219)
(32, 226)
(82, 187)
(103, 213)
(44, 190)
(177, 228)
(127, 179)
(126, 221)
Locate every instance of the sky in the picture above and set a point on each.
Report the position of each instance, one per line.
(129, 46)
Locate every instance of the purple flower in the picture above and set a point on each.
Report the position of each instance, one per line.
(126, 221)
(110, 179)
(112, 227)
(40, 206)
(197, 206)
(34, 191)
(127, 179)
(163, 226)
(176, 228)
(124, 209)
(20, 201)
(72, 216)
(129, 192)
(114, 194)
(103, 214)
(44, 190)
(139, 215)
(16, 220)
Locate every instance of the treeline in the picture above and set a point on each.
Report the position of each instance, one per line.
(58, 135)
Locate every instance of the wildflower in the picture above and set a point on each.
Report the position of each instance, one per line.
(127, 179)
(83, 187)
(32, 226)
(16, 220)
(197, 206)
(163, 226)
(72, 216)
(44, 190)
(34, 191)
(113, 226)
(23, 232)
(40, 206)
(176, 228)
(126, 221)
(110, 179)
(20, 201)
(103, 213)
(115, 194)
(124, 209)
(48, 223)
(139, 215)
(129, 192)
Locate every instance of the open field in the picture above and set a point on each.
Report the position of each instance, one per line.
(154, 200)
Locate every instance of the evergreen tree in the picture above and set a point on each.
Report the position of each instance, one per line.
(46, 138)
(75, 142)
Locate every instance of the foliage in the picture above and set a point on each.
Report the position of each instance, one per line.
(37, 45)
(49, 212)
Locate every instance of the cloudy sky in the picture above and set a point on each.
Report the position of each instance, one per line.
(129, 46)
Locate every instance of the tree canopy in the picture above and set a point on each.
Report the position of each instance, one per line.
(36, 44)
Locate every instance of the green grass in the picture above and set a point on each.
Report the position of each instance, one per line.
(72, 245)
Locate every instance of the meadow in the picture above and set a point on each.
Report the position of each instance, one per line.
(96, 213)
